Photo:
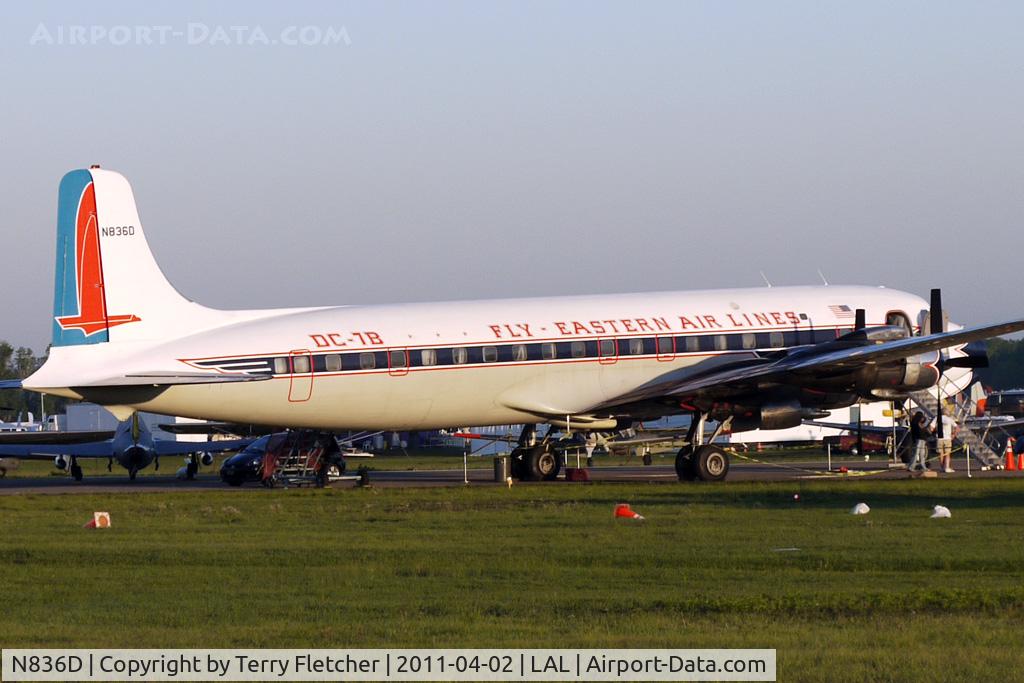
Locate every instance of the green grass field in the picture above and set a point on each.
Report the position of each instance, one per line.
(892, 595)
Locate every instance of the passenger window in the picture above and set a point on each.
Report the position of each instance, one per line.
(367, 361)
(721, 342)
(636, 347)
(749, 340)
(490, 354)
(607, 347)
(300, 364)
(776, 339)
(460, 355)
(398, 359)
(548, 351)
(578, 349)
(665, 346)
(693, 344)
(519, 352)
(281, 366)
(428, 357)
(332, 362)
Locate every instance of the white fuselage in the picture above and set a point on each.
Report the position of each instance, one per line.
(431, 365)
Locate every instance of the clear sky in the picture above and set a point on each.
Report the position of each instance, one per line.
(474, 149)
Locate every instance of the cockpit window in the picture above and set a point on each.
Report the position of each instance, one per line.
(899, 319)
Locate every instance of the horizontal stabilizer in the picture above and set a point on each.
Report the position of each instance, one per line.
(10, 384)
(145, 379)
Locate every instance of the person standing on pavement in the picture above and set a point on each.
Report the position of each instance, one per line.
(918, 441)
(944, 445)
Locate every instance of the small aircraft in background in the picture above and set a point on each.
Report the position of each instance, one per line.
(131, 444)
(20, 425)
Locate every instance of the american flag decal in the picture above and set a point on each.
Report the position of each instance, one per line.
(842, 312)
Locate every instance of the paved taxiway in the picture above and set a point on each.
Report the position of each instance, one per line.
(740, 471)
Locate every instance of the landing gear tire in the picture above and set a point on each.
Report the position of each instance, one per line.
(131, 474)
(542, 464)
(647, 458)
(76, 472)
(685, 469)
(190, 470)
(711, 463)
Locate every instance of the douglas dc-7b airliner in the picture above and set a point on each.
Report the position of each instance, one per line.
(741, 358)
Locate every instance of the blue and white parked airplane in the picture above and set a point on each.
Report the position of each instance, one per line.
(743, 358)
(130, 444)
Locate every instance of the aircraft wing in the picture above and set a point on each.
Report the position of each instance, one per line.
(216, 428)
(995, 424)
(95, 449)
(746, 376)
(168, 447)
(52, 438)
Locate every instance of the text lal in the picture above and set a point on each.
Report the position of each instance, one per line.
(553, 664)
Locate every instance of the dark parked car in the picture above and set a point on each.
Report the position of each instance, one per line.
(251, 463)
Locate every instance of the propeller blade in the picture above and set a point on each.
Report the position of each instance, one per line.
(860, 319)
(935, 325)
(935, 313)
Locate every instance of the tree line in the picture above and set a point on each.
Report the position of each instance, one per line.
(19, 363)
(1005, 364)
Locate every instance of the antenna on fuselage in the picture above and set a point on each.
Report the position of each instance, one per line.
(765, 278)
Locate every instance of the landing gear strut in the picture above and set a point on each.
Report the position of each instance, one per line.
(698, 460)
(76, 470)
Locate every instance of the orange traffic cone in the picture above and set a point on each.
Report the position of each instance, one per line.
(100, 520)
(623, 510)
(1011, 462)
(1020, 461)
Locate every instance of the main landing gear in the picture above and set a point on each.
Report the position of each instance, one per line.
(699, 461)
(534, 460)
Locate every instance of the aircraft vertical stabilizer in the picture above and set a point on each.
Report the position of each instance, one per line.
(108, 286)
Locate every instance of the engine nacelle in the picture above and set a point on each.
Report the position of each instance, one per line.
(896, 380)
(206, 459)
(779, 415)
(61, 463)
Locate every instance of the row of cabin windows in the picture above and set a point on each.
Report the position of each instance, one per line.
(517, 353)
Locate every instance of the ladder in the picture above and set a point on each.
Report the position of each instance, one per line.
(927, 402)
